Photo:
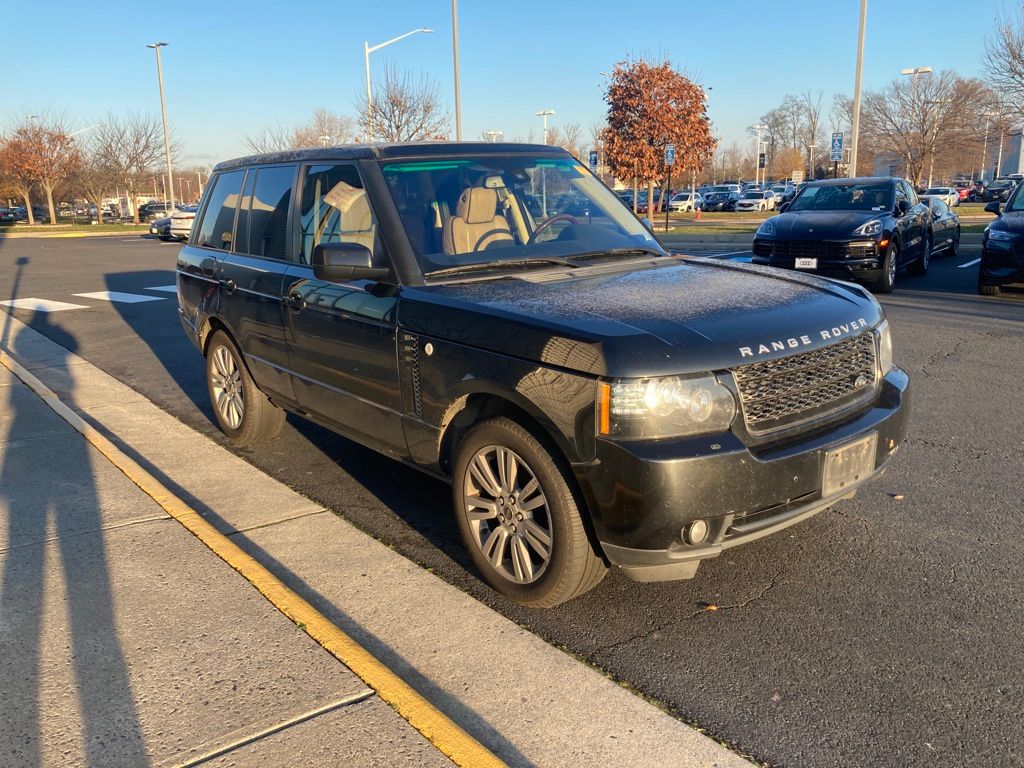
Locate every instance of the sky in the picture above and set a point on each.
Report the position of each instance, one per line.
(233, 68)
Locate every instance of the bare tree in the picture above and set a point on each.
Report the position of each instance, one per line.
(567, 137)
(325, 127)
(59, 157)
(272, 139)
(132, 147)
(1003, 61)
(404, 108)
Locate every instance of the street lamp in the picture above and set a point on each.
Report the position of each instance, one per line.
(810, 160)
(545, 114)
(855, 126)
(368, 49)
(935, 138)
(757, 151)
(455, 68)
(494, 136)
(325, 140)
(163, 113)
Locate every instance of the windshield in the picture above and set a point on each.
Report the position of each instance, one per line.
(844, 197)
(489, 208)
(938, 191)
(753, 196)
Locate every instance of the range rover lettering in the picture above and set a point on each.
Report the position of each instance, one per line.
(593, 400)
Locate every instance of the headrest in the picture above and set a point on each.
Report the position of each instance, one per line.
(477, 205)
(494, 182)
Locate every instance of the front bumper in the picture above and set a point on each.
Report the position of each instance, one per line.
(641, 495)
(1002, 262)
(851, 260)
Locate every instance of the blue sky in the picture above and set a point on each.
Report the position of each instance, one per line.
(233, 68)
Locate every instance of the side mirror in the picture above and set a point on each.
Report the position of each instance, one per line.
(340, 262)
(902, 208)
(993, 208)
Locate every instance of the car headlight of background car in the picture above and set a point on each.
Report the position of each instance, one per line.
(884, 339)
(767, 228)
(869, 228)
(666, 406)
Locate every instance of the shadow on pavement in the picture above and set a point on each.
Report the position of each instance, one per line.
(34, 479)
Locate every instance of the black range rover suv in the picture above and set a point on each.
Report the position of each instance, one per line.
(592, 399)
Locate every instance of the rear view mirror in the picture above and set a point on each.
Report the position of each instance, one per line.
(340, 262)
(993, 208)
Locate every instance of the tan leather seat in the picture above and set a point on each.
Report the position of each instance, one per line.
(475, 225)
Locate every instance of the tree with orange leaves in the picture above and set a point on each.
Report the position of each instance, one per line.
(650, 106)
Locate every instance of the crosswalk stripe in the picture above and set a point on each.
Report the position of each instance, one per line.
(41, 305)
(117, 296)
(165, 288)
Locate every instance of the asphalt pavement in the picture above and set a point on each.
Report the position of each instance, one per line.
(883, 632)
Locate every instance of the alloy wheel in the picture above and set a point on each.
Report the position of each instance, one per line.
(226, 382)
(508, 515)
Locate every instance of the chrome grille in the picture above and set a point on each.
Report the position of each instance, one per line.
(780, 393)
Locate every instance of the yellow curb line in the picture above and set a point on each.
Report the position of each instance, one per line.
(461, 748)
(55, 235)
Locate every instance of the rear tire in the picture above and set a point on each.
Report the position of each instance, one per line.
(519, 519)
(920, 267)
(242, 411)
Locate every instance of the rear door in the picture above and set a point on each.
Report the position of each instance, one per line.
(249, 230)
(343, 336)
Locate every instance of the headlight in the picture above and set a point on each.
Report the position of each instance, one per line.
(1000, 234)
(869, 228)
(884, 340)
(767, 228)
(668, 406)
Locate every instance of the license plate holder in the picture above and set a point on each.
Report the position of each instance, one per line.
(848, 464)
(806, 264)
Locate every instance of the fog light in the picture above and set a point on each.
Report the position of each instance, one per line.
(695, 532)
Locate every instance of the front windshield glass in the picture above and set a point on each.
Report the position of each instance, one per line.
(476, 209)
(844, 197)
(937, 191)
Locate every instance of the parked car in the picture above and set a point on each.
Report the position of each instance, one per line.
(155, 210)
(863, 229)
(945, 228)
(1002, 246)
(783, 193)
(964, 189)
(181, 221)
(756, 201)
(948, 195)
(722, 197)
(7, 216)
(612, 405)
(161, 228)
(682, 202)
(998, 191)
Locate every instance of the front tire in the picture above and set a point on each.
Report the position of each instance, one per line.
(519, 519)
(242, 411)
(887, 281)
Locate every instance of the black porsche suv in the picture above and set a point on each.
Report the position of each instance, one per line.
(863, 229)
(592, 399)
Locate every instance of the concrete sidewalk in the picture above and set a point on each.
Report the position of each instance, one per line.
(123, 640)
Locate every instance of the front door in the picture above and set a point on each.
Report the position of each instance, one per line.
(343, 336)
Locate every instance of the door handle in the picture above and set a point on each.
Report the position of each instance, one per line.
(295, 302)
(228, 285)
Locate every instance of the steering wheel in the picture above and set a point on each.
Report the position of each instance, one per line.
(548, 222)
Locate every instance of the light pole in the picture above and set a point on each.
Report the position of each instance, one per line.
(368, 49)
(757, 151)
(163, 113)
(984, 152)
(455, 68)
(855, 126)
(935, 137)
(810, 160)
(494, 136)
(325, 140)
(545, 114)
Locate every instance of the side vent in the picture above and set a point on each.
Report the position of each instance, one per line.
(410, 355)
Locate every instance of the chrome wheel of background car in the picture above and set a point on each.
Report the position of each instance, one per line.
(507, 513)
(890, 267)
(226, 383)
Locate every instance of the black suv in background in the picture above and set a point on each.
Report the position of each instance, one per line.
(854, 229)
(592, 399)
(1002, 246)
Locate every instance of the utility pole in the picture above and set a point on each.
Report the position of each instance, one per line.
(163, 112)
(455, 66)
(367, 50)
(855, 127)
(757, 152)
(545, 113)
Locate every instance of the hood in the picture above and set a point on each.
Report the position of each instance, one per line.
(1012, 221)
(687, 316)
(821, 225)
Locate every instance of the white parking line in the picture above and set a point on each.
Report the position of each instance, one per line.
(970, 263)
(164, 288)
(41, 305)
(117, 296)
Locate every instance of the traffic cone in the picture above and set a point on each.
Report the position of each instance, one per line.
(698, 214)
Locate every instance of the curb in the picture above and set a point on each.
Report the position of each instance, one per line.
(461, 748)
(68, 235)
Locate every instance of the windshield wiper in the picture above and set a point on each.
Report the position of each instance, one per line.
(628, 251)
(499, 264)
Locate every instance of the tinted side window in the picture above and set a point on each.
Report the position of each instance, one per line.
(268, 216)
(242, 225)
(910, 193)
(335, 210)
(216, 228)
(901, 192)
